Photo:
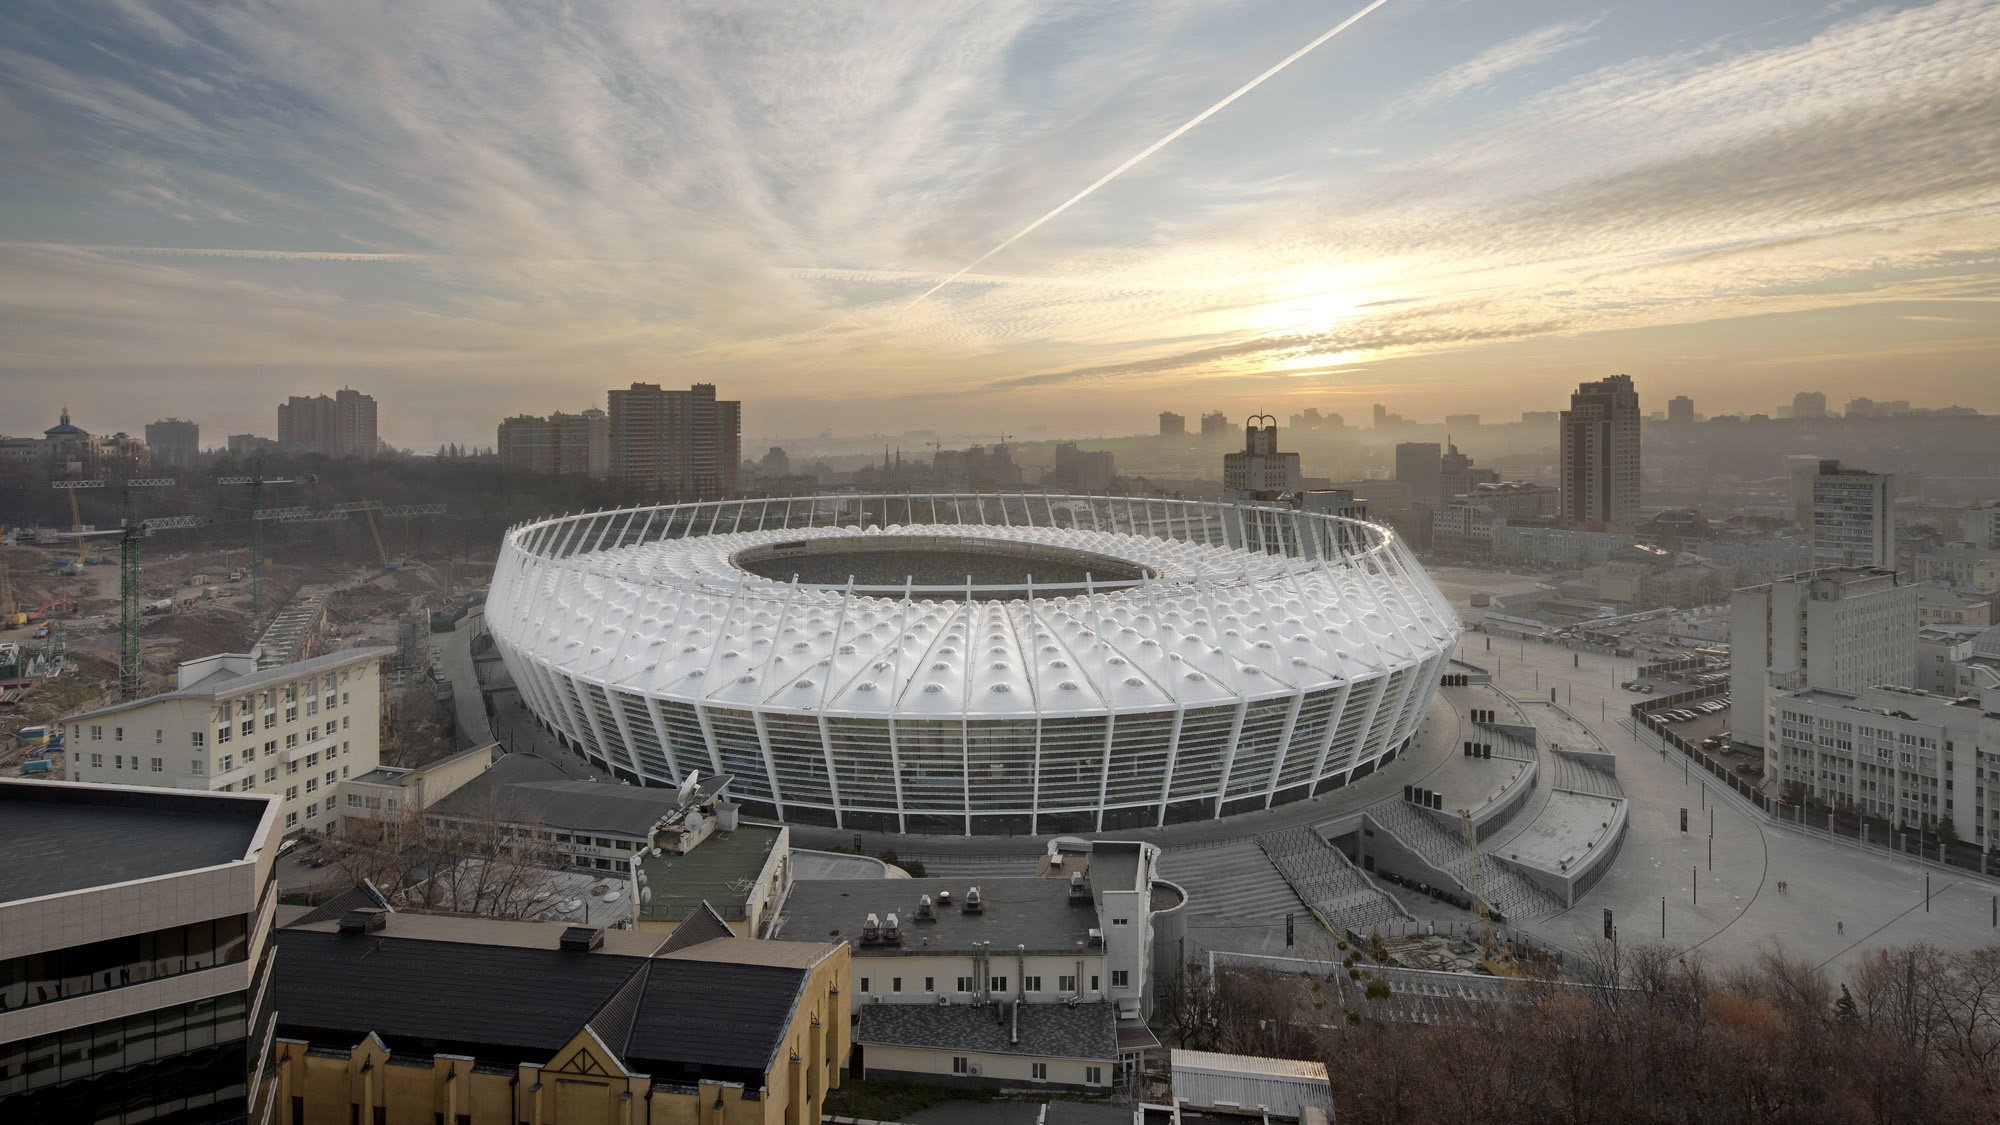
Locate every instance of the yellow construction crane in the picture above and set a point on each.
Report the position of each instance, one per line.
(1490, 953)
(10, 614)
(377, 533)
(75, 516)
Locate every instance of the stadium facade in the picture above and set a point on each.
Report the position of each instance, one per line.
(996, 663)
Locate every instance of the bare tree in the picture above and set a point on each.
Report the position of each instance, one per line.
(492, 858)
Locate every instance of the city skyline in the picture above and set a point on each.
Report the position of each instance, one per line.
(1444, 207)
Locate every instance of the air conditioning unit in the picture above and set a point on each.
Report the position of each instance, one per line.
(972, 1068)
(944, 1001)
(875, 998)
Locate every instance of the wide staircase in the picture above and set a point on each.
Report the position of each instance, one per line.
(1576, 777)
(1234, 881)
(1328, 881)
(1510, 893)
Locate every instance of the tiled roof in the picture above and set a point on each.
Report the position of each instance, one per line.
(1054, 1031)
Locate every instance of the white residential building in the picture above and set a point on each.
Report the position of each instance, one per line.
(293, 731)
(1841, 629)
(1902, 754)
(1853, 521)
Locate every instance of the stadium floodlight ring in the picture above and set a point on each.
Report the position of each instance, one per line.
(894, 663)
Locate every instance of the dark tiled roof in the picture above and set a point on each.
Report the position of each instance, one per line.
(1055, 1031)
(702, 925)
(707, 1019)
(1036, 913)
(362, 896)
(498, 1003)
(56, 838)
(534, 788)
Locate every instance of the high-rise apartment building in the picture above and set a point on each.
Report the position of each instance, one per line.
(1809, 404)
(341, 426)
(1214, 422)
(175, 444)
(135, 967)
(1260, 467)
(683, 445)
(1853, 519)
(1680, 410)
(1839, 629)
(1420, 465)
(562, 444)
(1599, 459)
(1457, 476)
(1457, 422)
(1172, 424)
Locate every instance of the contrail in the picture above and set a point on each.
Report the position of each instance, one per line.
(1149, 150)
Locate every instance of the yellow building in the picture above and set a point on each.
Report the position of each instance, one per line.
(407, 1019)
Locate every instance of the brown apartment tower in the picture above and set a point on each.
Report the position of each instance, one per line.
(1599, 458)
(678, 445)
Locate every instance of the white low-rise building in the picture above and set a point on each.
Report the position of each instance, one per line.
(293, 731)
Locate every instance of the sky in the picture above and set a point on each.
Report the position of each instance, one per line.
(475, 208)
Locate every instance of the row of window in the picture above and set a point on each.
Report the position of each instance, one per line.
(998, 984)
(100, 966)
(1039, 1072)
(100, 1048)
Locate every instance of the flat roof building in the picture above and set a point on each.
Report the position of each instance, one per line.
(134, 930)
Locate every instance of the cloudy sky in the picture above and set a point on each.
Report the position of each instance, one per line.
(472, 207)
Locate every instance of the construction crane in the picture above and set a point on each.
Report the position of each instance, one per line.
(256, 482)
(377, 533)
(128, 573)
(10, 613)
(1475, 871)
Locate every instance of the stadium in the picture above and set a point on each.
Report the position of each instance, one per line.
(974, 664)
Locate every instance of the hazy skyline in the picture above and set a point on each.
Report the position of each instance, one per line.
(475, 209)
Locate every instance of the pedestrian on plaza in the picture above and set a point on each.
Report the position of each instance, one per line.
(1840, 928)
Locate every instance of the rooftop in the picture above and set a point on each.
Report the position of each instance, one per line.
(1033, 912)
(57, 838)
(468, 930)
(227, 679)
(720, 871)
(1055, 1031)
(1222, 1063)
(523, 786)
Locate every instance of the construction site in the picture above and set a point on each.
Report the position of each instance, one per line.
(95, 610)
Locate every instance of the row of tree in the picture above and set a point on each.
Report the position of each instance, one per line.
(1911, 1035)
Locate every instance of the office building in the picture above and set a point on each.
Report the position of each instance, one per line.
(1898, 754)
(341, 426)
(1457, 476)
(392, 1016)
(1680, 410)
(1172, 424)
(1598, 461)
(1213, 423)
(1840, 629)
(1081, 470)
(293, 731)
(560, 444)
(1259, 467)
(677, 445)
(1068, 956)
(175, 444)
(1853, 518)
(1457, 422)
(1419, 464)
(135, 942)
(1809, 405)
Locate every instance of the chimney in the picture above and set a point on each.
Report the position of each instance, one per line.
(726, 815)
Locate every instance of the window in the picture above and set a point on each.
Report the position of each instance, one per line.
(312, 707)
(1032, 984)
(1093, 1076)
(158, 765)
(196, 767)
(312, 760)
(312, 785)
(1066, 984)
(895, 984)
(221, 734)
(1038, 1071)
(291, 820)
(227, 763)
(1094, 986)
(959, 1065)
(292, 714)
(97, 733)
(965, 984)
(354, 800)
(271, 774)
(159, 736)
(118, 761)
(1118, 921)
(117, 734)
(292, 741)
(864, 984)
(332, 776)
(195, 740)
(292, 793)
(343, 722)
(1119, 977)
(312, 811)
(247, 727)
(996, 984)
(271, 747)
(249, 754)
(930, 984)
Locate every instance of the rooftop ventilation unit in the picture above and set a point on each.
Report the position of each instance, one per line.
(890, 930)
(871, 930)
(972, 903)
(1079, 891)
(925, 912)
(363, 921)
(944, 898)
(581, 939)
(1096, 937)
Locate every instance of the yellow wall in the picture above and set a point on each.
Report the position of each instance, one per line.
(581, 1084)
